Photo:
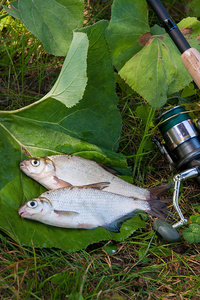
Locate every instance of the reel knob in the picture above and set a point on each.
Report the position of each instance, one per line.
(166, 231)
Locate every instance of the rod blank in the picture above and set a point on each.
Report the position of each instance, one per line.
(190, 56)
(169, 25)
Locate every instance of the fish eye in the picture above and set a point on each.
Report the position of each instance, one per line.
(35, 162)
(32, 204)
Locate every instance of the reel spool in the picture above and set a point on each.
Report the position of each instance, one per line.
(182, 149)
(181, 136)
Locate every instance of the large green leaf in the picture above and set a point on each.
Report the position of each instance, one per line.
(90, 129)
(158, 71)
(52, 21)
(128, 23)
(147, 59)
(70, 85)
(96, 118)
(42, 138)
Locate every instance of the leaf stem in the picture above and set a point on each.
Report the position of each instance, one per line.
(25, 107)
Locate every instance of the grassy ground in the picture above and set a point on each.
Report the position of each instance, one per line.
(142, 267)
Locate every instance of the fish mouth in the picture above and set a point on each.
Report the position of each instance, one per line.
(23, 166)
(22, 212)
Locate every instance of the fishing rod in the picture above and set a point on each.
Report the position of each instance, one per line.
(190, 56)
(180, 133)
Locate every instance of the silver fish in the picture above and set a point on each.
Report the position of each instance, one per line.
(58, 171)
(87, 207)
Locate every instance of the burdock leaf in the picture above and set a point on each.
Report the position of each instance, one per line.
(128, 23)
(70, 85)
(17, 133)
(39, 139)
(52, 21)
(155, 71)
(146, 58)
(90, 129)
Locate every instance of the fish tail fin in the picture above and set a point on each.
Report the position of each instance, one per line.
(155, 191)
(158, 208)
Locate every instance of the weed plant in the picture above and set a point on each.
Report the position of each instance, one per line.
(142, 267)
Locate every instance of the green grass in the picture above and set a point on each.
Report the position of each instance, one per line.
(142, 267)
(27, 71)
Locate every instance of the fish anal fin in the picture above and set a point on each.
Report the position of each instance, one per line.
(65, 213)
(116, 225)
(61, 182)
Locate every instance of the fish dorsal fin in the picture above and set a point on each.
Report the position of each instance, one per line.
(97, 186)
(109, 169)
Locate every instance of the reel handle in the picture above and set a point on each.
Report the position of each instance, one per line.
(187, 174)
(164, 229)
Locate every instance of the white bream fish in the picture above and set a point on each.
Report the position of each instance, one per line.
(58, 171)
(87, 208)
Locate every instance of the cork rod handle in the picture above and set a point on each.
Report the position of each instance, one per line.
(191, 60)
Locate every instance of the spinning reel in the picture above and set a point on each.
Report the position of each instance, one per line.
(182, 150)
(181, 135)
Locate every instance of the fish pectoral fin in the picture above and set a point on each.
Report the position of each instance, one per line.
(61, 182)
(65, 213)
(98, 185)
